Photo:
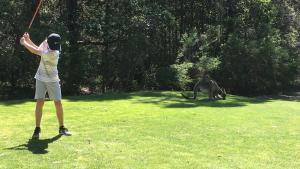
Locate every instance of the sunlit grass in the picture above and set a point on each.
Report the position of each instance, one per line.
(153, 130)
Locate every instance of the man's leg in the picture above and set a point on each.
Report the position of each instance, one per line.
(60, 117)
(39, 112)
(38, 118)
(54, 92)
(40, 91)
(59, 112)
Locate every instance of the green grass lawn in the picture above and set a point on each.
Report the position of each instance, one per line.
(153, 130)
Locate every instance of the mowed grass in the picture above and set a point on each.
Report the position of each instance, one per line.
(153, 130)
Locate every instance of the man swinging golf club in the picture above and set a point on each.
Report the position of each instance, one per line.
(47, 79)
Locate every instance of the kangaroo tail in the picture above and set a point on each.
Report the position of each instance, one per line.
(186, 97)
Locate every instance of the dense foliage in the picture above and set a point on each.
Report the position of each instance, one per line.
(249, 46)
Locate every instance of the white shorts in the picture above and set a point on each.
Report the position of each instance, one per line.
(53, 89)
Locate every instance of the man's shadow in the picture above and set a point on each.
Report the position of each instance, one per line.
(36, 146)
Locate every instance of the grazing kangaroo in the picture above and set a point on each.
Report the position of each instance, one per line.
(214, 90)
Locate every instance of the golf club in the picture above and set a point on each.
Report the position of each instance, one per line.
(35, 13)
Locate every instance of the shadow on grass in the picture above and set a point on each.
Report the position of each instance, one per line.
(295, 96)
(171, 99)
(175, 100)
(36, 146)
(102, 97)
(168, 99)
(15, 102)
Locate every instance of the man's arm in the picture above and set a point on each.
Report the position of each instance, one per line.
(32, 48)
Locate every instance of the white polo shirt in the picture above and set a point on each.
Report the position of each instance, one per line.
(47, 71)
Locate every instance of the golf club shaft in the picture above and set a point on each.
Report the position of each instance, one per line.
(35, 13)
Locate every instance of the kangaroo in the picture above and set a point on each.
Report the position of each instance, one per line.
(214, 90)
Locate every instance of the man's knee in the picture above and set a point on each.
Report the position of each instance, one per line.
(40, 101)
(57, 102)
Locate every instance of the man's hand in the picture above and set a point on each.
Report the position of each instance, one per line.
(22, 41)
(26, 36)
(28, 44)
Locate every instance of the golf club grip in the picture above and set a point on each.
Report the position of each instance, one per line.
(35, 13)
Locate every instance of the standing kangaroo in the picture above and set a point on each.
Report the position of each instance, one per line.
(214, 90)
